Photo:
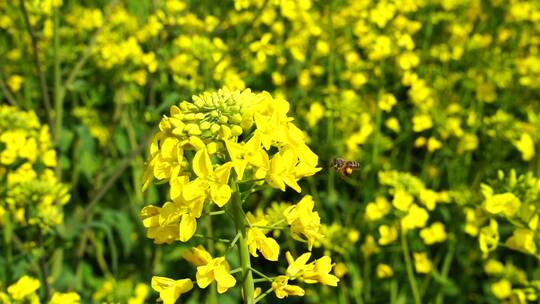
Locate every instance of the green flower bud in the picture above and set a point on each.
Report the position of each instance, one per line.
(193, 129)
(199, 102)
(215, 128)
(205, 125)
(236, 130)
(225, 132)
(184, 106)
(175, 122)
(178, 131)
(165, 124)
(223, 119)
(236, 118)
(175, 111)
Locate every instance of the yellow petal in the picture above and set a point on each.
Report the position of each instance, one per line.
(202, 165)
(188, 226)
(270, 249)
(220, 194)
(224, 279)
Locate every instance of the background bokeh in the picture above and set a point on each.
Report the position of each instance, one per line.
(438, 101)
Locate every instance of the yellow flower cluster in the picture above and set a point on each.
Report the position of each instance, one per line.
(25, 291)
(510, 283)
(204, 150)
(124, 291)
(32, 196)
(405, 208)
(208, 129)
(317, 271)
(516, 207)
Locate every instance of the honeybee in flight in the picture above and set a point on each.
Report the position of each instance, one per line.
(345, 167)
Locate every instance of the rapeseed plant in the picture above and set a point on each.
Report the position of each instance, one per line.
(206, 150)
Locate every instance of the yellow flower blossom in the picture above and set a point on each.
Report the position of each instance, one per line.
(24, 287)
(422, 122)
(216, 270)
(392, 123)
(257, 240)
(169, 289)
(489, 237)
(501, 289)
(433, 234)
(14, 82)
(525, 145)
(493, 267)
(283, 289)
(369, 247)
(197, 256)
(416, 218)
(402, 200)
(378, 209)
(384, 271)
(472, 222)
(65, 298)
(422, 263)
(305, 223)
(320, 273)
(314, 272)
(340, 270)
(215, 182)
(386, 102)
(522, 240)
(388, 234)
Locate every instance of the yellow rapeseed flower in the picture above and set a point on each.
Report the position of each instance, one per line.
(23, 288)
(169, 289)
(384, 271)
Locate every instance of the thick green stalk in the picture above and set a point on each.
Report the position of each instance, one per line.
(408, 264)
(248, 287)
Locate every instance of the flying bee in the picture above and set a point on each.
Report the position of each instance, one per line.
(345, 167)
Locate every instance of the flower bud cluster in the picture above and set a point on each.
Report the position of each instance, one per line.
(27, 162)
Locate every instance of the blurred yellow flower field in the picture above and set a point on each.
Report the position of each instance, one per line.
(269, 151)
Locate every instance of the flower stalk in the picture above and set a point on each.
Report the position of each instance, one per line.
(408, 264)
(248, 286)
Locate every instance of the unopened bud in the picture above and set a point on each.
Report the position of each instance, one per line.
(223, 119)
(236, 130)
(205, 125)
(175, 122)
(212, 147)
(236, 118)
(193, 129)
(215, 128)
(199, 102)
(164, 124)
(225, 132)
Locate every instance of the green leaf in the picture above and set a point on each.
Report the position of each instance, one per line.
(121, 223)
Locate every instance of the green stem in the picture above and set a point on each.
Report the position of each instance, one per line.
(260, 273)
(269, 227)
(447, 262)
(7, 232)
(58, 104)
(263, 295)
(212, 296)
(245, 262)
(216, 212)
(408, 264)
